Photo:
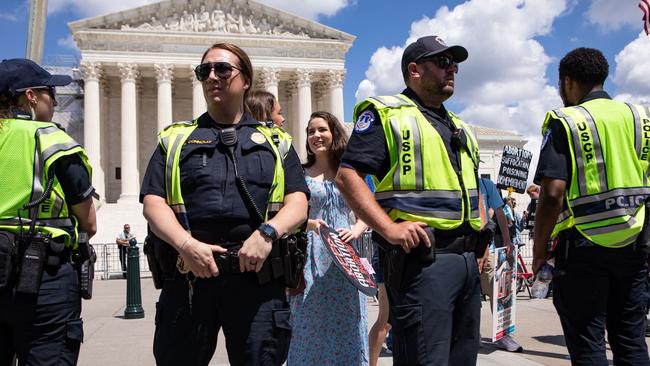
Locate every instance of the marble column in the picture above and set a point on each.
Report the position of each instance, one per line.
(164, 76)
(129, 133)
(270, 77)
(303, 82)
(198, 100)
(91, 72)
(335, 82)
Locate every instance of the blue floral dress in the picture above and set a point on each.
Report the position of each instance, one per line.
(329, 319)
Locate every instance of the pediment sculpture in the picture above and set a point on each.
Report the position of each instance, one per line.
(220, 19)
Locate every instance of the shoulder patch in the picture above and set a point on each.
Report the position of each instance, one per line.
(364, 121)
(547, 135)
(258, 138)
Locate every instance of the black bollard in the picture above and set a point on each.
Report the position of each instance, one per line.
(133, 292)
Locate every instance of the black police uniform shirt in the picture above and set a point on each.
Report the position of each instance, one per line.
(74, 179)
(364, 155)
(216, 208)
(555, 159)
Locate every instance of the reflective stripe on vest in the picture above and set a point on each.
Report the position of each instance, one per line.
(439, 203)
(173, 177)
(642, 135)
(589, 163)
(58, 223)
(407, 162)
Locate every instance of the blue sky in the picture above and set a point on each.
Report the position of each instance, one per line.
(508, 82)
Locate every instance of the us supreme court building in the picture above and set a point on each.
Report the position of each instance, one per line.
(136, 68)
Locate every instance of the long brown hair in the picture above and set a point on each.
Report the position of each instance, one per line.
(260, 103)
(10, 105)
(339, 138)
(244, 62)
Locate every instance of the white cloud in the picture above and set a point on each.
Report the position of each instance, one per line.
(88, 8)
(503, 83)
(612, 15)
(9, 17)
(632, 76)
(383, 75)
(67, 42)
(309, 8)
(366, 89)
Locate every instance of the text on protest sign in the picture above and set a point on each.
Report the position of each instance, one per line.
(514, 169)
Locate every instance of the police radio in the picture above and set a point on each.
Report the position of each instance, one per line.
(228, 138)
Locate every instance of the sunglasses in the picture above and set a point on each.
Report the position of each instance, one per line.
(443, 62)
(51, 91)
(222, 70)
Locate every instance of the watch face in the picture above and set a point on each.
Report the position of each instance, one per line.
(268, 230)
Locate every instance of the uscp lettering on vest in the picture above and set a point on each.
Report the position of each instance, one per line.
(407, 149)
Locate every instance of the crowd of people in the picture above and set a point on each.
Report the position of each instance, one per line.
(235, 221)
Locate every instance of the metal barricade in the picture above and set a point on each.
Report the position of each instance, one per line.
(108, 262)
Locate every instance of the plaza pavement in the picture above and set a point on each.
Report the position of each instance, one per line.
(112, 340)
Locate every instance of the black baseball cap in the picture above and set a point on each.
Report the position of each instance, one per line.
(429, 46)
(18, 74)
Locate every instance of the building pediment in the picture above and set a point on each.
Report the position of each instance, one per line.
(219, 17)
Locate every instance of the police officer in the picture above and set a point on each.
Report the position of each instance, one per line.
(593, 173)
(425, 160)
(40, 162)
(206, 186)
(265, 107)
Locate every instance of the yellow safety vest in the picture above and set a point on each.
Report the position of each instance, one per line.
(172, 138)
(609, 144)
(421, 184)
(29, 150)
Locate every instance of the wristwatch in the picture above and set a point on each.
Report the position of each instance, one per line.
(268, 231)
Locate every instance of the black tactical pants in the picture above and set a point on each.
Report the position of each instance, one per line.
(436, 313)
(45, 329)
(255, 321)
(597, 288)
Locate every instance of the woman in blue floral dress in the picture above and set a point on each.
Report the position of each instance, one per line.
(329, 318)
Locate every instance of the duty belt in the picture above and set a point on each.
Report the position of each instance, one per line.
(227, 262)
(273, 266)
(458, 244)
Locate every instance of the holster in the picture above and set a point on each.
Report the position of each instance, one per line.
(84, 259)
(286, 260)
(297, 250)
(393, 260)
(161, 258)
(7, 259)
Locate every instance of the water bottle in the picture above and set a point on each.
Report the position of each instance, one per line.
(542, 281)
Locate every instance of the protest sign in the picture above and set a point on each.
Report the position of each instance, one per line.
(347, 261)
(504, 293)
(513, 172)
